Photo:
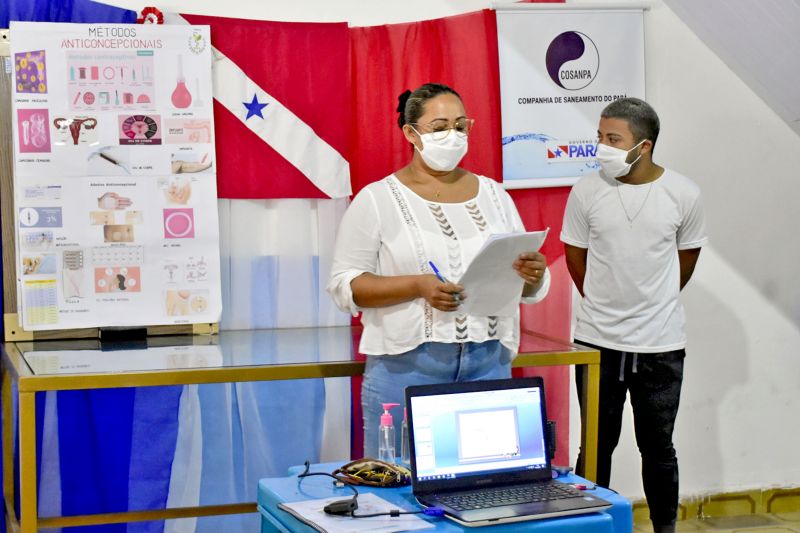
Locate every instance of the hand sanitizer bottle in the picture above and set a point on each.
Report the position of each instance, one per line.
(405, 446)
(386, 435)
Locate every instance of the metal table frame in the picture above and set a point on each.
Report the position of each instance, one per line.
(15, 368)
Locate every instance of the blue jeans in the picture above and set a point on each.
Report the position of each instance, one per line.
(387, 376)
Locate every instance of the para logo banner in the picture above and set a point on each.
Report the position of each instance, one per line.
(558, 69)
(571, 151)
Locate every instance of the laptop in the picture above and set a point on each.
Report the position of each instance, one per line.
(479, 451)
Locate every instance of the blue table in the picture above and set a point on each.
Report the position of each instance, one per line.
(272, 491)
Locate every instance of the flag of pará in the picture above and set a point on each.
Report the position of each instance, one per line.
(281, 107)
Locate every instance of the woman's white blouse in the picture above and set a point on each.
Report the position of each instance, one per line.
(389, 230)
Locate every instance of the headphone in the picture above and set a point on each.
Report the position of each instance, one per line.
(348, 507)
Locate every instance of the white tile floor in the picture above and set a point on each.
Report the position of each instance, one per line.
(755, 523)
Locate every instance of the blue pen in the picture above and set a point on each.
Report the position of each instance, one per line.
(456, 296)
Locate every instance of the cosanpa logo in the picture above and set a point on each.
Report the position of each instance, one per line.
(572, 60)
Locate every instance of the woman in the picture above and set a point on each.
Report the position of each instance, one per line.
(429, 211)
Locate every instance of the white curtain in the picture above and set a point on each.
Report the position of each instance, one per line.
(276, 257)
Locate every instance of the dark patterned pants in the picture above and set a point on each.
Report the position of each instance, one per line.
(654, 381)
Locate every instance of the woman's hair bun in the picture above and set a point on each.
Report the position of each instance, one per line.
(401, 101)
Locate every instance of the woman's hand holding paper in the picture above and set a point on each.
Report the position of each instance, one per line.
(531, 267)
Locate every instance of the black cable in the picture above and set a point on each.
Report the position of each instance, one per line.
(306, 473)
(430, 511)
(348, 507)
(341, 507)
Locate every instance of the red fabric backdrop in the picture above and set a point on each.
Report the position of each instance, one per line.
(460, 51)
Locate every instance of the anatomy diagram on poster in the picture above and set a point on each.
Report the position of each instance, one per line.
(115, 175)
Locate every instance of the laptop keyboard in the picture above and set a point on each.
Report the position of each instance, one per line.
(519, 494)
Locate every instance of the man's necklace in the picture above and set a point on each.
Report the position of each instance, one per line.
(625, 210)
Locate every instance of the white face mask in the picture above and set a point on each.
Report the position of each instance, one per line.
(445, 154)
(612, 160)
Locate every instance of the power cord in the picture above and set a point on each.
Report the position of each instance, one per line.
(430, 511)
(341, 507)
(348, 507)
(564, 470)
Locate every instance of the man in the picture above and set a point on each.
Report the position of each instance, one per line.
(632, 237)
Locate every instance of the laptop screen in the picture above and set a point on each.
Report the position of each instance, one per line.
(481, 432)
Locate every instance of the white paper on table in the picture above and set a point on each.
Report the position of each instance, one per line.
(491, 285)
(311, 513)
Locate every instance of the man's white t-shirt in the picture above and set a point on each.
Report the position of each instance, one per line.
(633, 234)
(389, 230)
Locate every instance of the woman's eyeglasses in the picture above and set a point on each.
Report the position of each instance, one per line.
(440, 129)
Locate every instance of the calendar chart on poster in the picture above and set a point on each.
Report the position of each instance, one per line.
(114, 175)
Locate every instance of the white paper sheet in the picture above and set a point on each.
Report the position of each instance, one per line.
(491, 285)
(310, 512)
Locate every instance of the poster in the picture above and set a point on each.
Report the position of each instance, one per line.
(559, 67)
(114, 175)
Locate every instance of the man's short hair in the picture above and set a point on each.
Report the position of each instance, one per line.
(641, 117)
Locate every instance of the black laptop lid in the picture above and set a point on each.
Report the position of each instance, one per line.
(482, 433)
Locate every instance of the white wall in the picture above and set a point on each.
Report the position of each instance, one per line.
(355, 12)
(738, 421)
(738, 424)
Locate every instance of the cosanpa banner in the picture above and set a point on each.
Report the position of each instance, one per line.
(559, 67)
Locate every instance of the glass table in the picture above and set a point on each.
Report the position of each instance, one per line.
(228, 357)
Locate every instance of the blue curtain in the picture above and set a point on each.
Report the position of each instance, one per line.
(115, 450)
(78, 11)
